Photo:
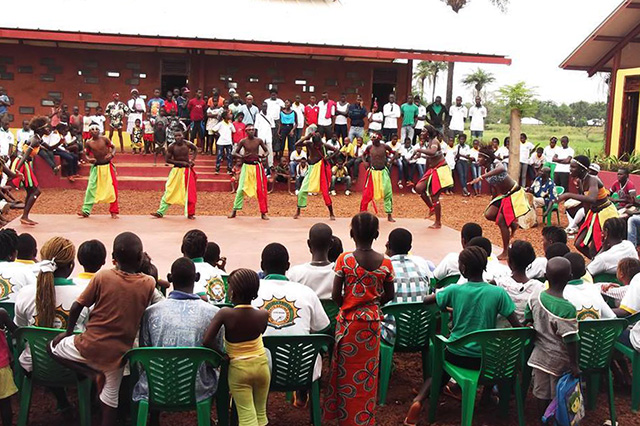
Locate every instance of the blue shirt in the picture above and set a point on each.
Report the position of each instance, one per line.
(357, 114)
(287, 118)
(3, 108)
(544, 190)
(179, 321)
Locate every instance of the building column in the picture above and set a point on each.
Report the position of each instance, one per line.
(612, 89)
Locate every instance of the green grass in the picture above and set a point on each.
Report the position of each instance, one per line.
(582, 139)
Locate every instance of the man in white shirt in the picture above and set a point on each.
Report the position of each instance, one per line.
(7, 140)
(317, 274)
(457, 115)
(299, 108)
(13, 275)
(23, 135)
(210, 285)
(614, 248)
(264, 130)
(294, 309)
(274, 105)
(551, 150)
(391, 112)
(550, 235)
(421, 119)
(462, 156)
(326, 116)
(525, 153)
(225, 130)
(137, 108)
(249, 111)
(477, 114)
(563, 157)
(586, 297)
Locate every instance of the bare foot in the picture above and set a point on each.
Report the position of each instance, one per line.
(157, 215)
(115, 216)
(232, 214)
(265, 217)
(332, 217)
(436, 225)
(28, 222)
(390, 218)
(503, 256)
(297, 215)
(83, 215)
(191, 217)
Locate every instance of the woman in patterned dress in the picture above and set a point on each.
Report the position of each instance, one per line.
(364, 282)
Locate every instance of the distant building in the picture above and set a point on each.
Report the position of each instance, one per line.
(531, 121)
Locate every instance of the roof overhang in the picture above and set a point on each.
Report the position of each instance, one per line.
(159, 43)
(618, 34)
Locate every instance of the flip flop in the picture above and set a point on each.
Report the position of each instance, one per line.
(413, 414)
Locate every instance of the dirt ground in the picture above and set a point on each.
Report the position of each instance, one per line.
(406, 378)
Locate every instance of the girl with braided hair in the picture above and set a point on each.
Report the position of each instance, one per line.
(510, 203)
(476, 306)
(595, 198)
(13, 275)
(23, 166)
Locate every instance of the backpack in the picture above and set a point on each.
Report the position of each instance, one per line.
(567, 408)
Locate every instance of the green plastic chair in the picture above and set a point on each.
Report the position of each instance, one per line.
(606, 278)
(597, 341)
(171, 374)
(331, 309)
(634, 357)
(451, 279)
(559, 190)
(10, 307)
(292, 361)
(552, 166)
(415, 329)
(47, 372)
(502, 360)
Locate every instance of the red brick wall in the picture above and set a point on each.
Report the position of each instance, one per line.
(22, 68)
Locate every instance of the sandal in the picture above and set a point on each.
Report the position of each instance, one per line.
(413, 414)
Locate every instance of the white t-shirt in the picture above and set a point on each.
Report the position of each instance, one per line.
(449, 154)
(299, 109)
(375, 125)
(525, 152)
(210, 283)
(502, 154)
(295, 157)
(322, 113)
(448, 266)
(23, 137)
(100, 119)
(6, 141)
(538, 268)
(549, 153)
(519, 292)
(422, 112)
(391, 114)
(460, 149)
(226, 131)
(563, 153)
(293, 308)
(317, 278)
(588, 301)
(631, 303)
(606, 262)
(458, 114)
(341, 119)
(15, 276)
(273, 108)
(263, 125)
(477, 116)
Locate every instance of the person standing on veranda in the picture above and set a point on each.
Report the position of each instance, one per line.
(409, 115)
(477, 115)
(391, 112)
(457, 116)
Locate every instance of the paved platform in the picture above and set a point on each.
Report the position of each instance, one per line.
(241, 239)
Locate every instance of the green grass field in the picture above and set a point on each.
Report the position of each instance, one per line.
(580, 138)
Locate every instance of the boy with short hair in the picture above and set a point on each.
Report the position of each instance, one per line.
(615, 246)
(213, 258)
(448, 266)
(340, 174)
(27, 249)
(585, 296)
(92, 255)
(210, 286)
(119, 297)
(317, 274)
(15, 275)
(555, 320)
(550, 235)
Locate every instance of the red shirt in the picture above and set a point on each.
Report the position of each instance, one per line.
(240, 132)
(170, 106)
(196, 109)
(623, 191)
(311, 114)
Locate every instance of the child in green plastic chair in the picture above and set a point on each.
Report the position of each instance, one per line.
(476, 306)
(249, 375)
(555, 320)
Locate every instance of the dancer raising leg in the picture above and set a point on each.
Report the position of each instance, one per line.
(509, 204)
(438, 176)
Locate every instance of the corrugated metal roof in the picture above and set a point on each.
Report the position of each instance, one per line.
(597, 47)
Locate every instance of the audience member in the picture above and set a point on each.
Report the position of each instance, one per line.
(584, 296)
(210, 285)
(615, 246)
(550, 235)
(317, 274)
(16, 275)
(448, 266)
(92, 255)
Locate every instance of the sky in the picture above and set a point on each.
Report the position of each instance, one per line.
(538, 36)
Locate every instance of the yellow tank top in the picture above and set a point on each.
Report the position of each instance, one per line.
(245, 350)
(603, 193)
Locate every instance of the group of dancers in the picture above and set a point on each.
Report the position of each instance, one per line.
(180, 189)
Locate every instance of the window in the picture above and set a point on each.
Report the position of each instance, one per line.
(301, 82)
(330, 82)
(6, 60)
(84, 95)
(91, 80)
(47, 77)
(352, 75)
(6, 76)
(272, 86)
(253, 79)
(133, 82)
(27, 110)
(277, 80)
(225, 77)
(142, 75)
(132, 65)
(92, 104)
(55, 95)
(47, 61)
(25, 69)
(308, 73)
(113, 74)
(308, 89)
(91, 64)
(46, 102)
(350, 90)
(232, 85)
(51, 69)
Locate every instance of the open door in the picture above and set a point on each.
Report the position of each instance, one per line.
(384, 83)
(629, 125)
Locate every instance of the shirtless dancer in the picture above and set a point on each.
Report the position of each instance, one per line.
(253, 179)
(181, 184)
(102, 186)
(377, 184)
(318, 177)
(438, 176)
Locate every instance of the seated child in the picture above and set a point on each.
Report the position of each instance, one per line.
(554, 318)
(92, 255)
(119, 297)
(249, 375)
(317, 274)
(213, 258)
(210, 285)
(556, 250)
(615, 246)
(335, 250)
(281, 174)
(550, 235)
(28, 253)
(301, 172)
(448, 266)
(584, 296)
(494, 269)
(16, 275)
(235, 174)
(518, 285)
(340, 174)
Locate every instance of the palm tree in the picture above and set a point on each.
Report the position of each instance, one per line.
(478, 80)
(421, 74)
(456, 5)
(520, 100)
(429, 70)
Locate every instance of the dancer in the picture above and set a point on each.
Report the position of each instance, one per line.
(377, 184)
(22, 166)
(181, 184)
(253, 179)
(595, 198)
(102, 186)
(318, 177)
(438, 176)
(511, 202)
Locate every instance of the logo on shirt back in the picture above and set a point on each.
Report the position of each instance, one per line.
(282, 313)
(588, 313)
(5, 287)
(60, 318)
(216, 289)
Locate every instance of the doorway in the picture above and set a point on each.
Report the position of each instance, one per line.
(170, 82)
(629, 123)
(384, 83)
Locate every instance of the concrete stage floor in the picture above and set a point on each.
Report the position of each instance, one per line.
(241, 239)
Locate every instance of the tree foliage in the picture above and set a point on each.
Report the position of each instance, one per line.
(429, 71)
(518, 96)
(576, 114)
(478, 80)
